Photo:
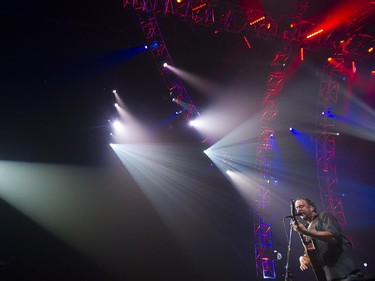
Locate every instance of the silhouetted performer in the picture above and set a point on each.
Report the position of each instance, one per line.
(327, 250)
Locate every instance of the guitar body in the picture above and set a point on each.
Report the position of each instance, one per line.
(314, 259)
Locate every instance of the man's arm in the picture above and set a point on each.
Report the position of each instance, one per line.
(324, 235)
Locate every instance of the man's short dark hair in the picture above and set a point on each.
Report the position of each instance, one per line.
(310, 203)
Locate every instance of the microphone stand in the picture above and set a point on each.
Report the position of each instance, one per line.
(288, 276)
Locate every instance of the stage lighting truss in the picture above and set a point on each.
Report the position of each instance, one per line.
(218, 14)
(256, 23)
(325, 140)
(161, 54)
(359, 46)
(262, 223)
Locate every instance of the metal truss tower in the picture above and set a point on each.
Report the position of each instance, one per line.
(325, 141)
(355, 47)
(282, 65)
(156, 44)
(265, 264)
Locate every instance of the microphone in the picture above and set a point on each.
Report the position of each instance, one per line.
(290, 216)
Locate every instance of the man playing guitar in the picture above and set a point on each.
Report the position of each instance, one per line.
(327, 250)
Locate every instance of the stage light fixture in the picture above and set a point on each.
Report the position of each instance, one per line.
(193, 123)
(114, 91)
(314, 34)
(165, 64)
(173, 95)
(117, 125)
(257, 20)
(153, 45)
(247, 42)
(199, 7)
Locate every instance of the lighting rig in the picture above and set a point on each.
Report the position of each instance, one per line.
(344, 40)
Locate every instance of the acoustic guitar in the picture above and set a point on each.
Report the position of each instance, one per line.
(310, 250)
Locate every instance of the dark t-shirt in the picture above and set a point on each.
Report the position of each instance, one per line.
(339, 259)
